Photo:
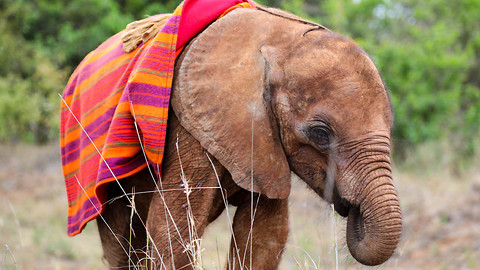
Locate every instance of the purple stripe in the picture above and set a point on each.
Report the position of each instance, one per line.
(138, 94)
(150, 101)
(126, 164)
(92, 68)
(161, 96)
(122, 121)
(150, 125)
(124, 139)
(171, 27)
(70, 88)
(71, 229)
(156, 144)
(114, 82)
(81, 67)
(106, 88)
(166, 51)
(159, 60)
(84, 211)
(122, 72)
(159, 53)
(145, 88)
(155, 65)
(88, 70)
(102, 123)
(122, 135)
(118, 76)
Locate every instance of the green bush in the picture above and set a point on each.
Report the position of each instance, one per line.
(428, 53)
(41, 42)
(29, 84)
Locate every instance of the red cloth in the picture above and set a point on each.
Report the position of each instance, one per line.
(198, 14)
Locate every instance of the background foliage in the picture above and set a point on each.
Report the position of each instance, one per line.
(428, 53)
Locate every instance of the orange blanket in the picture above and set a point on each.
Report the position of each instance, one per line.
(116, 103)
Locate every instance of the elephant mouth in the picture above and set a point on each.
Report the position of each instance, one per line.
(341, 205)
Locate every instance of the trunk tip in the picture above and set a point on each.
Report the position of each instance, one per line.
(372, 242)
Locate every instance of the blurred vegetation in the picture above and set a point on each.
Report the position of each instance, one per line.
(41, 42)
(428, 53)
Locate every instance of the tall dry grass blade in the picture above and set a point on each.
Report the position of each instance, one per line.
(155, 191)
(170, 246)
(194, 247)
(11, 255)
(143, 148)
(251, 194)
(147, 252)
(225, 202)
(335, 234)
(96, 148)
(250, 233)
(100, 215)
(131, 229)
(104, 161)
(160, 192)
(297, 262)
(17, 222)
(253, 209)
(315, 266)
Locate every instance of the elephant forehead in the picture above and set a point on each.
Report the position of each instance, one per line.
(349, 105)
(324, 59)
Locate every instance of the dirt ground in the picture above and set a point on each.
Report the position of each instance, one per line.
(441, 222)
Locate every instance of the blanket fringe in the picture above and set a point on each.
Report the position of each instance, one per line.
(142, 31)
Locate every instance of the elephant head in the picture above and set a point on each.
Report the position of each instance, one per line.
(268, 93)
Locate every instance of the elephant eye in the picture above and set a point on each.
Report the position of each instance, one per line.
(320, 136)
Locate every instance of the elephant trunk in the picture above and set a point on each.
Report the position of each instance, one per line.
(374, 228)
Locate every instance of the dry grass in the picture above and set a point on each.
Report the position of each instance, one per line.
(34, 227)
(441, 222)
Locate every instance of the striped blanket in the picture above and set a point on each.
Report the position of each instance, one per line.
(115, 105)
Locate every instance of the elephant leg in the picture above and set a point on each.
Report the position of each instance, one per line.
(177, 224)
(180, 212)
(122, 232)
(270, 231)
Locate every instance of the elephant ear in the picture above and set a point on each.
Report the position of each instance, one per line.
(221, 97)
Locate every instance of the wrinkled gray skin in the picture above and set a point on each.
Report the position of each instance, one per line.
(263, 88)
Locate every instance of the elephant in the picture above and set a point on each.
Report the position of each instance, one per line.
(257, 95)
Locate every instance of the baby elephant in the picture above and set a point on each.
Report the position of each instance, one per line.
(258, 94)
